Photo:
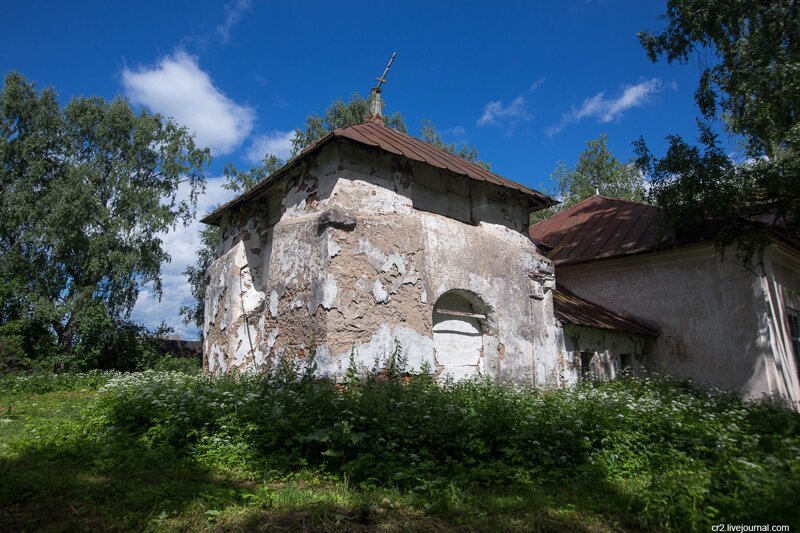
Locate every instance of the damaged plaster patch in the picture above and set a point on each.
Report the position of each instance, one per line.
(379, 292)
(251, 298)
(259, 358)
(460, 373)
(273, 336)
(245, 333)
(333, 248)
(329, 291)
(374, 255)
(381, 261)
(411, 279)
(294, 201)
(363, 285)
(336, 218)
(416, 347)
(216, 360)
(326, 364)
(273, 303)
(394, 260)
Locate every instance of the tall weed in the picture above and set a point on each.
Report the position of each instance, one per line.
(685, 457)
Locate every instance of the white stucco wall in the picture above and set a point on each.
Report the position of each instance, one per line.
(608, 348)
(780, 291)
(710, 313)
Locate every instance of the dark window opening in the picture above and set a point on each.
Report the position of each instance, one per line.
(794, 331)
(586, 365)
(625, 361)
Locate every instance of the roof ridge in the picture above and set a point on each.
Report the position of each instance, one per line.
(590, 198)
(455, 159)
(376, 133)
(623, 200)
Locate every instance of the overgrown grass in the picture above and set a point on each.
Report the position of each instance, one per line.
(168, 450)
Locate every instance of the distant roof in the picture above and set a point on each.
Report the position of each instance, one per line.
(601, 227)
(598, 227)
(574, 310)
(376, 134)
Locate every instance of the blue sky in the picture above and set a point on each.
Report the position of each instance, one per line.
(527, 83)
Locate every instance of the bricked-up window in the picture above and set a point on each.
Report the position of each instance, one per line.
(457, 334)
(794, 331)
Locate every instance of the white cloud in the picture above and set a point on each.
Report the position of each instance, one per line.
(608, 109)
(455, 131)
(278, 143)
(497, 114)
(535, 85)
(176, 87)
(233, 12)
(181, 243)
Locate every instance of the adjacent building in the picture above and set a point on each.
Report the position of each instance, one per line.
(718, 323)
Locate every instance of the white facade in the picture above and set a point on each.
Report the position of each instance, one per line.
(719, 324)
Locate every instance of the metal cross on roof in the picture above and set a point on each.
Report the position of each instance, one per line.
(382, 78)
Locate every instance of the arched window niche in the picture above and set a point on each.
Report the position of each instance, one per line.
(460, 322)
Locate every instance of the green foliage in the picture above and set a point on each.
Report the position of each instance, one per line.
(700, 189)
(464, 151)
(753, 85)
(197, 277)
(754, 82)
(24, 342)
(596, 170)
(681, 458)
(171, 363)
(45, 382)
(339, 115)
(244, 180)
(86, 190)
(164, 450)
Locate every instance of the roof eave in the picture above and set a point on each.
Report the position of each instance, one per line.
(645, 332)
(536, 199)
(214, 218)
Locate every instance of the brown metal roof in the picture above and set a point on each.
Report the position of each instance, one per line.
(376, 134)
(601, 227)
(574, 310)
(598, 227)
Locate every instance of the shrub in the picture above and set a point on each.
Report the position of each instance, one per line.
(685, 457)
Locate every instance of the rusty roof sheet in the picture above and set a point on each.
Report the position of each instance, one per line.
(596, 228)
(574, 310)
(376, 134)
(601, 227)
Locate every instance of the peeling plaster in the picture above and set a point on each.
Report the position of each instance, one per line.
(333, 248)
(329, 291)
(273, 303)
(380, 294)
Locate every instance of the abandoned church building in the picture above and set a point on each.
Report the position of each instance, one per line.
(371, 237)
